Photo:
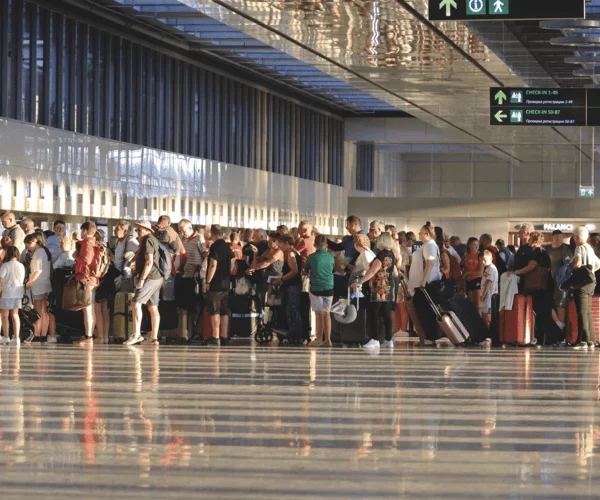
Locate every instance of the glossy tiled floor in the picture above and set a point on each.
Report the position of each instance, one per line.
(117, 422)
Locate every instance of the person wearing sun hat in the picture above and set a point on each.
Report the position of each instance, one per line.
(148, 285)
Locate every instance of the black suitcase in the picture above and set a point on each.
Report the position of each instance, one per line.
(470, 317)
(245, 315)
(169, 317)
(495, 324)
(421, 306)
(355, 332)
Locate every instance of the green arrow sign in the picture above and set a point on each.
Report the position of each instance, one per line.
(500, 116)
(500, 97)
(448, 5)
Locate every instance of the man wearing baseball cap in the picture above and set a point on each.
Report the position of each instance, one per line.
(149, 282)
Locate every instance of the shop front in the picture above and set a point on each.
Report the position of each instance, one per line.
(548, 227)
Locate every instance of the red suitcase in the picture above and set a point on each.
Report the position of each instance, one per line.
(401, 317)
(517, 325)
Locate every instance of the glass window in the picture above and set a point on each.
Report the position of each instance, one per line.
(92, 196)
(28, 190)
(41, 191)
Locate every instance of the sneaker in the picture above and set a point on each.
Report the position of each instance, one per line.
(591, 345)
(327, 343)
(316, 343)
(533, 342)
(213, 342)
(29, 339)
(4, 341)
(134, 339)
(51, 339)
(371, 345)
(224, 341)
(15, 342)
(581, 346)
(149, 341)
(84, 341)
(389, 344)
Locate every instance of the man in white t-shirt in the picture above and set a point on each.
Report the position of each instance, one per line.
(431, 256)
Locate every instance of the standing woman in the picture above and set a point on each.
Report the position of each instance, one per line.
(444, 254)
(381, 276)
(12, 276)
(38, 284)
(473, 271)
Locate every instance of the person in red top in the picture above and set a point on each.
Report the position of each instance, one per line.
(85, 273)
(306, 241)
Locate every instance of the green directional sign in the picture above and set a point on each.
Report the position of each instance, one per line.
(500, 116)
(586, 192)
(498, 10)
(447, 6)
(500, 97)
(498, 7)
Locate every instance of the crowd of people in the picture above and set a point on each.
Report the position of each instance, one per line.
(198, 269)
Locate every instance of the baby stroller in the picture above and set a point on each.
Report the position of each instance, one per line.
(274, 320)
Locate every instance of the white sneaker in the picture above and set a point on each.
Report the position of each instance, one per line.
(371, 345)
(51, 340)
(134, 339)
(4, 340)
(387, 344)
(15, 342)
(533, 342)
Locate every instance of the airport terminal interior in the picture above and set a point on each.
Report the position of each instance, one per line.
(303, 249)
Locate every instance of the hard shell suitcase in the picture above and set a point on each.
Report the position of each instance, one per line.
(449, 323)
(356, 332)
(121, 325)
(426, 316)
(412, 312)
(572, 328)
(245, 315)
(517, 325)
(469, 316)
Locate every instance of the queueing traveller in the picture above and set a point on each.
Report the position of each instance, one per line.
(218, 280)
(38, 285)
(560, 254)
(86, 266)
(12, 277)
(489, 285)
(53, 241)
(125, 249)
(381, 276)
(320, 266)
(149, 283)
(473, 271)
(14, 232)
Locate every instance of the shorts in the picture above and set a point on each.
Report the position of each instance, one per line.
(217, 303)
(40, 296)
(149, 293)
(6, 304)
(474, 285)
(320, 304)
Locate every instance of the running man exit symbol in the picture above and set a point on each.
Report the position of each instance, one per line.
(498, 7)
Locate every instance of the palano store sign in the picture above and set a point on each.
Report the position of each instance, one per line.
(562, 227)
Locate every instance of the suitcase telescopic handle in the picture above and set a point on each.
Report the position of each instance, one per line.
(358, 299)
(436, 308)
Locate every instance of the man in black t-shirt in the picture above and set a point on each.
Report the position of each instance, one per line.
(525, 251)
(217, 279)
(148, 285)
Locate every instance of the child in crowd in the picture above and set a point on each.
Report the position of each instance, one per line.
(66, 258)
(320, 266)
(489, 286)
(12, 277)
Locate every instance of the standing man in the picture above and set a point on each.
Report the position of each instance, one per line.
(164, 222)
(190, 269)
(53, 242)
(306, 242)
(149, 283)
(28, 226)
(217, 279)
(125, 251)
(523, 255)
(13, 231)
(353, 226)
(85, 273)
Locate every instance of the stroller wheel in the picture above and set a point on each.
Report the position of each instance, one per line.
(263, 335)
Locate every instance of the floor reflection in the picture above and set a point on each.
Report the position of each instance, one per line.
(258, 422)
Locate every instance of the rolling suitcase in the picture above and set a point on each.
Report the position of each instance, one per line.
(424, 316)
(495, 324)
(449, 323)
(517, 326)
(245, 315)
(469, 316)
(356, 332)
(572, 328)
(121, 325)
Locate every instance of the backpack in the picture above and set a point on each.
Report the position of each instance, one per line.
(165, 265)
(101, 261)
(564, 273)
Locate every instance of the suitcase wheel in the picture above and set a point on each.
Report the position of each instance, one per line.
(263, 335)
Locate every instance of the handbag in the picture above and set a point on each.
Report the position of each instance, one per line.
(77, 295)
(29, 315)
(581, 277)
(536, 279)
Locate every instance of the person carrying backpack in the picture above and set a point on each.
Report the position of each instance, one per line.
(151, 267)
